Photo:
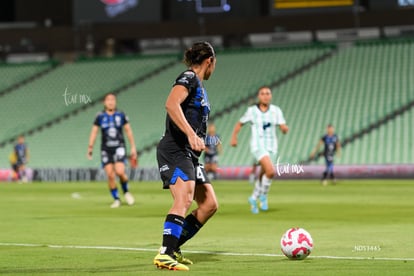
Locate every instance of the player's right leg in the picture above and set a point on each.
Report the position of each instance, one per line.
(268, 174)
(110, 173)
(183, 194)
(179, 177)
(257, 190)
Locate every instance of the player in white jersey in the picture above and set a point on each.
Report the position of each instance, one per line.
(264, 118)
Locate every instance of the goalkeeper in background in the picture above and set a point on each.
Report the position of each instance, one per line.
(331, 146)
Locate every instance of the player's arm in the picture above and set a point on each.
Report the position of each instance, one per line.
(338, 149)
(284, 128)
(219, 148)
(173, 106)
(316, 149)
(92, 138)
(236, 130)
(130, 135)
(27, 154)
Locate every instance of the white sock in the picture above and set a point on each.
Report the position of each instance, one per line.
(257, 189)
(266, 183)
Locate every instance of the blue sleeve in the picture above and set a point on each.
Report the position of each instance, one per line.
(125, 119)
(187, 79)
(97, 121)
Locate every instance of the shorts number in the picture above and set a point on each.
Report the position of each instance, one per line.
(200, 174)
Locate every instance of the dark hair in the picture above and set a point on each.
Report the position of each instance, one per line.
(109, 94)
(263, 87)
(198, 53)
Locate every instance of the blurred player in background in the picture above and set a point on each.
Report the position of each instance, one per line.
(332, 146)
(178, 152)
(263, 118)
(19, 158)
(212, 151)
(113, 150)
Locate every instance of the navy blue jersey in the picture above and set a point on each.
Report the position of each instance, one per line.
(196, 109)
(20, 151)
(111, 128)
(330, 145)
(212, 142)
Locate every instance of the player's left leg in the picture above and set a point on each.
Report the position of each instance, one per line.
(207, 205)
(325, 173)
(206, 199)
(331, 172)
(22, 173)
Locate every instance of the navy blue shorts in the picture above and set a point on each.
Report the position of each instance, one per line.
(113, 155)
(174, 163)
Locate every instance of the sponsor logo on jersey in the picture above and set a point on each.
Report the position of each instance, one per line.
(266, 125)
(189, 74)
(183, 80)
(118, 121)
(164, 168)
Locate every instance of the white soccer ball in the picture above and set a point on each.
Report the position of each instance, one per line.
(296, 243)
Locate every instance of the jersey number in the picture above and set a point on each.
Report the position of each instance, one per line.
(200, 174)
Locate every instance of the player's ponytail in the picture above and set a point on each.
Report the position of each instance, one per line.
(197, 53)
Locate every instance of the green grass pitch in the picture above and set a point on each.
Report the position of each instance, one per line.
(359, 227)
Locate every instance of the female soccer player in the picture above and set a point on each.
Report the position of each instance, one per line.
(263, 117)
(19, 159)
(331, 146)
(113, 152)
(188, 109)
(212, 151)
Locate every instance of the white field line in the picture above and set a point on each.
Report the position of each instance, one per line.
(199, 252)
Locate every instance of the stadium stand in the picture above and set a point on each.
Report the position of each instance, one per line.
(146, 100)
(68, 88)
(265, 65)
(13, 75)
(352, 89)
